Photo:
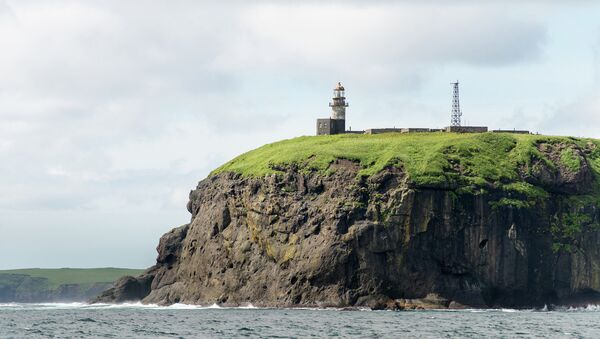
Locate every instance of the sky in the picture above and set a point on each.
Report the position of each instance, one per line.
(112, 111)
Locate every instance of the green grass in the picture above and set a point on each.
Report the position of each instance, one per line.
(84, 276)
(568, 228)
(570, 160)
(430, 159)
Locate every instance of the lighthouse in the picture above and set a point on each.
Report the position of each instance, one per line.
(338, 103)
(336, 124)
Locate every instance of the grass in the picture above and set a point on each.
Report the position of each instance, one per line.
(570, 159)
(568, 228)
(430, 159)
(84, 276)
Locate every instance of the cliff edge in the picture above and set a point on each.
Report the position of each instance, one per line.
(388, 221)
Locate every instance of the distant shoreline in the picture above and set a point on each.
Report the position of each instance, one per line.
(35, 285)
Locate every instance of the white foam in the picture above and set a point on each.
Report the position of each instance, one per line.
(136, 305)
(10, 305)
(588, 308)
(43, 306)
(121, 305)
(248, 307)
(180, 306)
(508, 310)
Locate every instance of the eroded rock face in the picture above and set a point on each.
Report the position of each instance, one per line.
(307, 239)
(127, 289)
(550, 172)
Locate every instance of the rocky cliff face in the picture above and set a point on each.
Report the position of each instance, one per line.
(340, 239)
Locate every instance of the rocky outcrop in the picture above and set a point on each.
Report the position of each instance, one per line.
(127, 288)
(550, 172)
(308, 239)
(130, 288)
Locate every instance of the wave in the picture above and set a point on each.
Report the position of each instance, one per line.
(587, 308)
(177, 306)
(42, 305)
(10, 305)
(137, 305)
(546, 308)
(180, 306)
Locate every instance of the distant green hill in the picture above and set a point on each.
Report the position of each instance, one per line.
(62, 284)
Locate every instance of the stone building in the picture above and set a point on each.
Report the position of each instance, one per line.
(336, 124)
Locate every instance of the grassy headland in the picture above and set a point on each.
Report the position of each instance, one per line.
(430, 159)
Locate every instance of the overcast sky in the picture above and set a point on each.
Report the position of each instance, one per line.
(111, 111)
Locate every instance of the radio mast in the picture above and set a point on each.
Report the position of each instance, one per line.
(456, 113)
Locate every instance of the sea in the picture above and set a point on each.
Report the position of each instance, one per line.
(77, 320)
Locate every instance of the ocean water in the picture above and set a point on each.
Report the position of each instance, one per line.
(183, 321)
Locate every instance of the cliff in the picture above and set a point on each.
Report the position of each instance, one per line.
(396, 221)
(57, 285)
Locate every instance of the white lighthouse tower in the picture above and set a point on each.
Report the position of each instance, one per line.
(338, 104)
(336, 124)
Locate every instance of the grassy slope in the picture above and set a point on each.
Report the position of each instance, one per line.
(84, 276)
(429, 158)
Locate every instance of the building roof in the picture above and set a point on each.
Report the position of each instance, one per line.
(339, 87)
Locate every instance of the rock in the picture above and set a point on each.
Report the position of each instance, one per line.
(456, 306)
(557, 177)
(127, 289)
(303, 238)
(431, 301)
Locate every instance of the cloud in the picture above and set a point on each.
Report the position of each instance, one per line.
(124, 105)
(377, 42)
(94, 87)
(582, 115)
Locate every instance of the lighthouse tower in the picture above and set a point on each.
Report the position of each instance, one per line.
(337, 123)
(338, 103)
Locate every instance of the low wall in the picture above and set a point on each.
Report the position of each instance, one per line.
(383, 130)
(466, 129)
(516, 131)
(415, 130)
(397, 130)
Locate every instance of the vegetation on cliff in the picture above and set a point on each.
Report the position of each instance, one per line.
(526, 168)
(437, 160)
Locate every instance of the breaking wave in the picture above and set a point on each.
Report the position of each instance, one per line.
(180, 306)
(588, 308)
(136, 305)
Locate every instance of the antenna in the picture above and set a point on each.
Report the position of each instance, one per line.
(456, 113)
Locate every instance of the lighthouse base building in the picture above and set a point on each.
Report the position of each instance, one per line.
(330, 126)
